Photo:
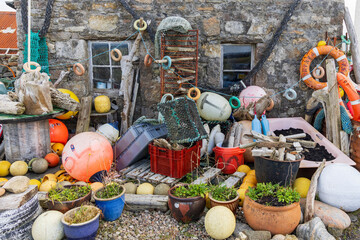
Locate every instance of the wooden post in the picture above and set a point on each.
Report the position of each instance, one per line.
(126, 78)
(83, 121)
(333, 110)
(354, 46)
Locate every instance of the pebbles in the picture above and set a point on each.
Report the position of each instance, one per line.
(151, 225)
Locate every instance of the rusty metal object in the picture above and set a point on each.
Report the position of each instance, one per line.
(355, 144)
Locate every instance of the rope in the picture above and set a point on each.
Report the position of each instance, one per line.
(270, 47)
(136, 16)
(25, 16)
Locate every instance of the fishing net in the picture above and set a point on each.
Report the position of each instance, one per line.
(39, 51)
(182, 120)
(345, 120)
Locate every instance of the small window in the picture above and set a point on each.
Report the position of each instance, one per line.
(237, 61)
(106, 73)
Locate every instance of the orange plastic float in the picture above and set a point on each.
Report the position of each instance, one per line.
(147, 60)
(312, 54)
(86, 154)
(352, 94)
(58, 131)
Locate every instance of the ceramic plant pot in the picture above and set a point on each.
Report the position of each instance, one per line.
(277, 220)
(67, 205)
(85, 230)
(185, 209)
(231, 204)
(112, 207)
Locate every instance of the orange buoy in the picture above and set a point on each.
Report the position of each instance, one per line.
(312, 54)
(352, 94)
(58, 131)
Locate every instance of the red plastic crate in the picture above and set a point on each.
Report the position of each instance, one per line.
(172, 163)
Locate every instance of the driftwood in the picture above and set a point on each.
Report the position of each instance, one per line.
(13, 201)
(238, 134)
(136, 202)
(304, 143)
(310, 198)
(282, 149)
(354, 47)
(61, 77)
(62, 100)
(83, 121)
(9, 106)
(126, 78)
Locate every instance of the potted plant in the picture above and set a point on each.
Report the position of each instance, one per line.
(81, 222)
(221, 195)
(273, 208)
(64, 198)
(110, 199)
(187, 202)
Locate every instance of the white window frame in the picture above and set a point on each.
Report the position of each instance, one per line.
(240, 71)
(91, 65)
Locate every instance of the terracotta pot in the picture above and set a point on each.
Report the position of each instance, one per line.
(185, 209)
(277, 220)
(67, 205)
(231, 204)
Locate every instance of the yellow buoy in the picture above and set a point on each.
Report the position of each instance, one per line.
(321, 43)
(4, 168)
(102, 104)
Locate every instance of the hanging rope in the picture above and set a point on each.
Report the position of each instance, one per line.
(48, 12)
(270, 47)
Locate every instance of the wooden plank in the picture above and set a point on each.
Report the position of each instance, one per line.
(170, 180)
(208, 176)
(83, 120)
(157, 178)
(232, 181)
(146, 174)
(354, 47)
(133, 166)
(240, 175)
(134, 96)
(135, 202)
(282, 149)
(345, 143)
(333, 110)
(135, 172)
(14, 201)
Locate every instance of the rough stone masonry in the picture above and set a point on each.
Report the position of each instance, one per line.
(75, 23)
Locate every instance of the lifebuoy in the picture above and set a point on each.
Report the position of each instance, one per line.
(147, 60)
(312, 54)
(119, 55)
(352, 94)
(196, 90)
(78, 69)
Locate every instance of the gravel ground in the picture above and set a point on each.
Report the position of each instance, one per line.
(153, 225)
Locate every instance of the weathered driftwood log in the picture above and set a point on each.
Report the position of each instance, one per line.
(63, 100)
(136, 202)
(9, 106)
(314, 229)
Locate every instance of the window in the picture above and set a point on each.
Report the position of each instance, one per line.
(106, 73)
(237, 61)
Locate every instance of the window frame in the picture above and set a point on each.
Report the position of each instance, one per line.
(233, 71)
(91, 65)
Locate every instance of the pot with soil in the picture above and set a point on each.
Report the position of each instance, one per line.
(110, 199)
(187, 202)
(81, 222)
(277, 172)
(273, 208)
(221, 195)
(64, 198)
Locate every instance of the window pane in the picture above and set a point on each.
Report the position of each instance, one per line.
(101, 51)
(230, 78)
(236, 57)
(116, 77)
(123, 48)
(101, 74)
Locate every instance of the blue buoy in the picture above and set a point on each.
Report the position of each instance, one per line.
(265, 125)
(256, 125)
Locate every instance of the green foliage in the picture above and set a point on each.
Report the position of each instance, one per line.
(110, 190)
(223, 193)
(82, 214)
(189, 178)
(68, 194)
(282, 194)
(193, 190)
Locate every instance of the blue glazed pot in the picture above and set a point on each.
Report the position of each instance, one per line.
(111, 207)
(81, 231)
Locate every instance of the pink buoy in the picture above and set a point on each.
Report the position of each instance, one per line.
(251, 94)
(86, 154)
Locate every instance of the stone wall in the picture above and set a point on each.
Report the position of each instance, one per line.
(74, 23)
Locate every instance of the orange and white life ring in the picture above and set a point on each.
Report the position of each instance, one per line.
(312, 54)
(352, 94)
(78, 69)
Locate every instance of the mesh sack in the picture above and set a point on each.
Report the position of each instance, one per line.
(182, 120)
